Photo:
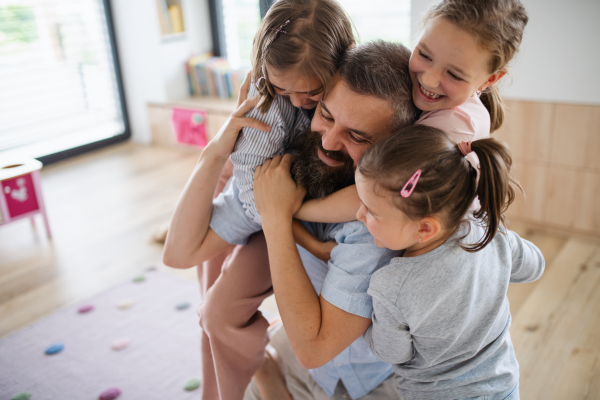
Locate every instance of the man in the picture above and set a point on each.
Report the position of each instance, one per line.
(370, 100)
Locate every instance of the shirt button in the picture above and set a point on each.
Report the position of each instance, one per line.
(339, 364)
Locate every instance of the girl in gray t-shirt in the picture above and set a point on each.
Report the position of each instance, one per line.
(441, 315)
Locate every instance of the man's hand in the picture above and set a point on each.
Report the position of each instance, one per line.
(276, 195)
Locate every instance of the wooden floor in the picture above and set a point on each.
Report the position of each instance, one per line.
(104, 206)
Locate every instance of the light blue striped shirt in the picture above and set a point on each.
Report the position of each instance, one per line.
(254, 146)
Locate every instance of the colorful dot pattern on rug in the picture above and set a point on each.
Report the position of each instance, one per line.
(55, 348)
(21, 396)
(192, 384)
(85, 308)
(110, 394)
(115, 354)
(125, 304)
(120, 343)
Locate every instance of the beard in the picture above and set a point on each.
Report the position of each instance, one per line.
(319, 179)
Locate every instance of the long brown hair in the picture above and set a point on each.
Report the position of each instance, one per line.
(448, 183)
(498, 26)
(308, 36)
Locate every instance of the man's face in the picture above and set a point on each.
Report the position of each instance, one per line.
(349, 122)
(344, 126)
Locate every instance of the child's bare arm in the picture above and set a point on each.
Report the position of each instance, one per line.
(340, 206)
(319, 249)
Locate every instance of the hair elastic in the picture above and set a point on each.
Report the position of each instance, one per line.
(465, 149)
(410, 185)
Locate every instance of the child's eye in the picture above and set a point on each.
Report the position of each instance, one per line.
(425, 56)
(454, 76)
(315, 92)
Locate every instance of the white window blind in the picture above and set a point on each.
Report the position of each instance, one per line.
(58, 82)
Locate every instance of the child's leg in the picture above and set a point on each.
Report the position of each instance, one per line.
(237, 331)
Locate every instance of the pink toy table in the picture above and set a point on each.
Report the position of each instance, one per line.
(21, 192)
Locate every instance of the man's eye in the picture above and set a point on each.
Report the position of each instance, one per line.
(323, 116)
(358, 140)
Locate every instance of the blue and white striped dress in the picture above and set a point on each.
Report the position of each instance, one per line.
(254, 146)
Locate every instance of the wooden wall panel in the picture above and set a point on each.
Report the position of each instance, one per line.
(528, 130)
(530, 206)
(577, 138)
(573, 200)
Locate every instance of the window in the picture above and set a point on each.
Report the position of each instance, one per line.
(59, 82)
(235, 22)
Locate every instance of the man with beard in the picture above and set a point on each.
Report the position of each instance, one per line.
(370, 99)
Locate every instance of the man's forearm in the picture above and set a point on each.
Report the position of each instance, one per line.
(191, 218)
(297, 301)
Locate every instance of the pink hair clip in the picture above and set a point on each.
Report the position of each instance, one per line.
(410, 185)
(280, 29)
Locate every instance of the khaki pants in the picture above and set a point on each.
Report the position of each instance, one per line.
(302, 386)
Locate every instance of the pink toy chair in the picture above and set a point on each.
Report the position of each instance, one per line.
(21, 192)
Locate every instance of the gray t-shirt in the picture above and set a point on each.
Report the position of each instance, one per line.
(442, 318)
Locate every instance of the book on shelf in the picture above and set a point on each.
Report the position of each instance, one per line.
(213, 76)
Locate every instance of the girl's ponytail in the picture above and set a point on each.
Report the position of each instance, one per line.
(496, 188)
(491, 99)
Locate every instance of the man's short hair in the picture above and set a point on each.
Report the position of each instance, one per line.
(380, 69)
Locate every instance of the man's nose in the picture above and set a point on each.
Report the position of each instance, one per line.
(360, 214)
(332, 139)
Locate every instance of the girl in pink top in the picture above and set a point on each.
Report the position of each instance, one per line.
(463, 51)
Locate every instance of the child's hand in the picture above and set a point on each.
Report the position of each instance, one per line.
(323, 253)
(276, 195)
(223, 143)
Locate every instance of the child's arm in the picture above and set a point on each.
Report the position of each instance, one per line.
(340, 206)
(319, 249)
(527, 260)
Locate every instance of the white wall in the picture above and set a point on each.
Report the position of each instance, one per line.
(559, 58)
(153, 68)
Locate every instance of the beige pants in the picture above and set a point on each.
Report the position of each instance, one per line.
(302, 386)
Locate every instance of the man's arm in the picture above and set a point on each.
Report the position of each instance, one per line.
(190, 241)
(318, 331)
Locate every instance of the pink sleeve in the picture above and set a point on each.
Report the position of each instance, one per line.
(468, 122)
(458, 125)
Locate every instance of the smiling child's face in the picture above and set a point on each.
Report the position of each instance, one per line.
(448, 66)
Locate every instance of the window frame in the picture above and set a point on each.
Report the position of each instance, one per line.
(74, 151)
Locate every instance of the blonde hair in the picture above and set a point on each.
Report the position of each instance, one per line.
(448, 183)
(308, 36)
(498, 26)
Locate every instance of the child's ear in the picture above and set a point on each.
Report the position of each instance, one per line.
(428, 228)
(493, 78)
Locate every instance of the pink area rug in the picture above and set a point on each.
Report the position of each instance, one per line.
(162, 356)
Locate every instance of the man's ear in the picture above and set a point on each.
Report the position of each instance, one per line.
(428, 228)
(493, 78)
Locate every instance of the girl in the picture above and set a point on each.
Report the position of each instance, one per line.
(441, 315)
(463, 51)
